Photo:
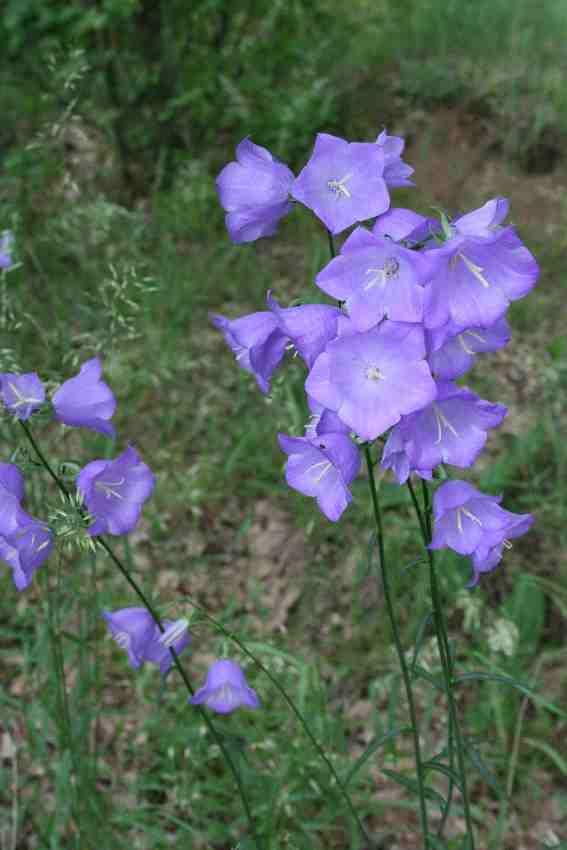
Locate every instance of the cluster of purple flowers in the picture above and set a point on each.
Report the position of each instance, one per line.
(113, 493)
(418, 300)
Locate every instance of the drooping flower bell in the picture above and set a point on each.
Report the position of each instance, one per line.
(254, 191)
(226, 688)
(396, 171)
(6, 249)
(86, 400)
(114, 492)
(256, 341)
(135, 630)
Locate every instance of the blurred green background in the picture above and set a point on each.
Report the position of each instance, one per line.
(116, 117)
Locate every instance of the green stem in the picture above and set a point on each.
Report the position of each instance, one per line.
(331, 244)
(424, 519)
(143, 598)
(399, 648)
(320, 751)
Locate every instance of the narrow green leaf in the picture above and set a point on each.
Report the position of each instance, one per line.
(371, 749)
(482, 676)
(412, 786)
(552, 754)
(445, 770)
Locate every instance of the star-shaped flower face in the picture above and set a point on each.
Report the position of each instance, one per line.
(21, 394)
(343, 183)
(376, 278)
(370, 379)
(114, 492)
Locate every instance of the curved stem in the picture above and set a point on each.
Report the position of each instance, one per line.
(155, 616)
(320, 751)
(424, 519)
(399, 648)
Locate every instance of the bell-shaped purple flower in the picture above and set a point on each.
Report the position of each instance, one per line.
(254, 191)
(6, 249)
(371, 379)
(135, 630)
(257, 342)
(452, 351)
(473, 523)
(309, 327)
(396, 457)
(483, 267)
(25, 542)
(21, 394)
(376, 278)
(226, 688)
(114, 492)
(323, 421)
(322, 467)
(86, 401)
(452, 429)
(396, 171)
(343, 182)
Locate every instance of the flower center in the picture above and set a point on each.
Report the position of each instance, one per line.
(107, 488)
(123, 639)
(324, 466)
(388, 271)
(21, 399)
(373, 373)
(338, 188)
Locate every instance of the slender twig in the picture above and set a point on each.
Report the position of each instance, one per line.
(148, 605)
(399, 648)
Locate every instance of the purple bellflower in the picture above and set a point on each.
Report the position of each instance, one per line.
(254, 191)
(257, 342)
(452, 351)
(21, 394)
(225, 688)
(309, 327)
(25, 542)
(371, 379)
(86, 401)
(343, 182)
(396, 458)
(483, 267)
(396, 171)
(323, 421)
(452, 429)
(473, 523)
(6, 249)
(322, 467)
(135, 630)
(114, 492)
(376, 278)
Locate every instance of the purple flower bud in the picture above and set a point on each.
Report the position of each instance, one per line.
(114, 492)
(322, 467)
(21, 394)
(371, 379)
(343, 183)
(6, 249)
(86, 401)
(473, 523)
(396, 171)
(254, 191)
(135, 630)
(400, 224)
(225, 688)
(257, 341)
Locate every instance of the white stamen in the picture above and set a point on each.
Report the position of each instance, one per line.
(324, 465)
(507, 544)
(476, 270)
(373, 373)
(174, 632)
(338, 188)
(122, 639)
(388, 271)
(107, 487)
(21, 398)
(468, 514)
(442, 422)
